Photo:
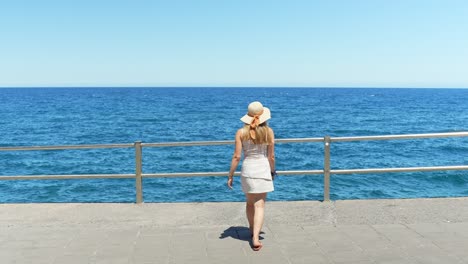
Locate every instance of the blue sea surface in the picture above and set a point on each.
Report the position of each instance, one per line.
(73, 116)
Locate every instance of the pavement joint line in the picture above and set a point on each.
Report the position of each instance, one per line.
(435, 244)
(405, 250)
(205, 238)
(354, 242)
(275, 237)
(323, 253)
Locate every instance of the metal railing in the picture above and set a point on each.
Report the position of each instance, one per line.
(326, 171)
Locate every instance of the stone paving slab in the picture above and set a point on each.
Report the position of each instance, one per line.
(360, 231)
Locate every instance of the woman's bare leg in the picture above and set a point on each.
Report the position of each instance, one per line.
(250, 210)
(257, 201)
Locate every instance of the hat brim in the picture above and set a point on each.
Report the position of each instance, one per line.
(264, 117)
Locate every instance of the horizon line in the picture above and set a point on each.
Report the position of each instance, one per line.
(197, 87)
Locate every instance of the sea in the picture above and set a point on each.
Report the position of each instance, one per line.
(76, 116)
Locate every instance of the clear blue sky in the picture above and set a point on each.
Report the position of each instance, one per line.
(368, 43)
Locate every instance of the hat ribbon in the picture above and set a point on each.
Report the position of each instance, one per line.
(254, 124)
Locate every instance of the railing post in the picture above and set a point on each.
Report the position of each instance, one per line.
(138, 169)
(326, 169)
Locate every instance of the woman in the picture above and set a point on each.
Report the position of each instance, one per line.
(256, 140)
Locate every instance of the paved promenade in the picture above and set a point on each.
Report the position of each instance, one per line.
(357, 231)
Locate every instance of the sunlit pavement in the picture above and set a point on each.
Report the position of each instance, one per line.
(352, 231)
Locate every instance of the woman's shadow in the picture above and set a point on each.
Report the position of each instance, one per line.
(240, 233)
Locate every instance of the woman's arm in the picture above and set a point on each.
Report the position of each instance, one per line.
(235, 158)
(271, 153)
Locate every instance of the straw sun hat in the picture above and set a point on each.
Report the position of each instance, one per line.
(256, 111)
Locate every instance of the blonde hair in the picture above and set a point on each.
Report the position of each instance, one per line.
(263, 134)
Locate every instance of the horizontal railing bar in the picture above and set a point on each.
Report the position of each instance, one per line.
(186, 174)
(230, 142)
(225, 142)
(407, 136)
(99, 146)
(410, 169)
(299, 172)
(61, 177)
(188, 143)
(298, 140)
(204, 174)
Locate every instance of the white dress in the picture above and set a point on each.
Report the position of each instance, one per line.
(255, 173)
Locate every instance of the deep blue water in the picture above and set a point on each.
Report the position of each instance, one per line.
(68, 116)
